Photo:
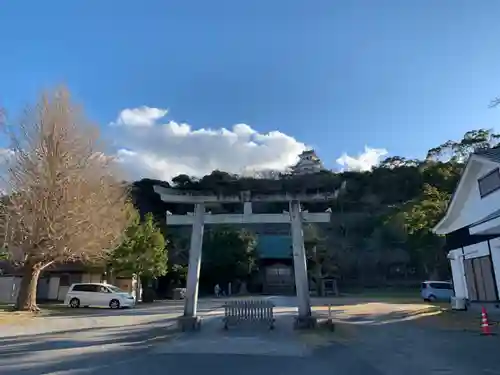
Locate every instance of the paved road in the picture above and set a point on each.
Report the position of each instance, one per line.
(140, 341)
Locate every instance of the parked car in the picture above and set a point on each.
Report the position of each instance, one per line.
(98, 295)
(436, 291)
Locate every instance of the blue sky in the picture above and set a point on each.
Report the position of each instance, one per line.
(336, 75)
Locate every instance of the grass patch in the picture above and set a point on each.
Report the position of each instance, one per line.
(376, 312)
(9, 316)
(47, 310)
(383, 292)
(451, 320)
(362, 300)
(324, 336)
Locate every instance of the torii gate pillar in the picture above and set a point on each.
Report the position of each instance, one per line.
(191, 321)
(304, 318)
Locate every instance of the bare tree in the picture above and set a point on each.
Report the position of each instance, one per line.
(64, 201)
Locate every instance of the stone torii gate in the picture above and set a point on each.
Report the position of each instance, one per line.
(295, 217)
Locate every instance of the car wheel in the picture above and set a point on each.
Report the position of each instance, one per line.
(114, 304)
(75, 302)
(432, 298)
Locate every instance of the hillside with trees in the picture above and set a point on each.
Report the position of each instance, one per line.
(380, 232)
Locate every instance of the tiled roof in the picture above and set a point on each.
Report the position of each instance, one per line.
(492, 154)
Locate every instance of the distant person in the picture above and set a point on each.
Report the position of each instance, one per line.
(217, 290)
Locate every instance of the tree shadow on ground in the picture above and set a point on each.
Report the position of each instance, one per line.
(35, 354)
(104, 350)
(438, 319)
(156, 308)
(101, 350)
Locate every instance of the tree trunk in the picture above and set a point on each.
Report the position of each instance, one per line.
(26, 299)
(110, 276)
(137, 288)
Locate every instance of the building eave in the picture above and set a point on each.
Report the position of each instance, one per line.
(442, 227)
(486, 224)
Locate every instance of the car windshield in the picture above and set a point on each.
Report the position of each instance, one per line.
(115, 289)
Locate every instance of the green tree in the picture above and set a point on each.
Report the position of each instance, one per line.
(142, 251)
(228, 255)
(183, 181)
(473, 140)
(386, 247)
(4, 254)
(320, 257)
(420, 216)
(178, 258)
(424, 213)
(444, 176)
(383, 217)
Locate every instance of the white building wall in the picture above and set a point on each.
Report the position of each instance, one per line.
(480, 249)
(91, 278)
(42, 290)
(307, 166)
(470, 252)
(474, 207)
(9, 288)
(53, 287)
(495, 259)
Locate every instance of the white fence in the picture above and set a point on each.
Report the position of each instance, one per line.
(248, 311)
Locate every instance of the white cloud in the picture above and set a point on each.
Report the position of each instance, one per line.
(142, 116)
(150, 148)
(364, 161)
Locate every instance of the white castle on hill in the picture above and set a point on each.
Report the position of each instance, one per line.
(308, 162)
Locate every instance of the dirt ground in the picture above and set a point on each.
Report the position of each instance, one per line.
(371, 337)
(401, 336)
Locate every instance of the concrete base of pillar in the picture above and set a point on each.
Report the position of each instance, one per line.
(327, 324)
(189, 323)
(305, 322)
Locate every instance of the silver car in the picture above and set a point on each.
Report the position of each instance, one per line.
(436, 291)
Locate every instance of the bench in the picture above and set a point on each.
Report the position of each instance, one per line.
(248, 311)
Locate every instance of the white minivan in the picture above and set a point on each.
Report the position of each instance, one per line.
(98, 295)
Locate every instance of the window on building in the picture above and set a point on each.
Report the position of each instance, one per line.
(489, 183)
